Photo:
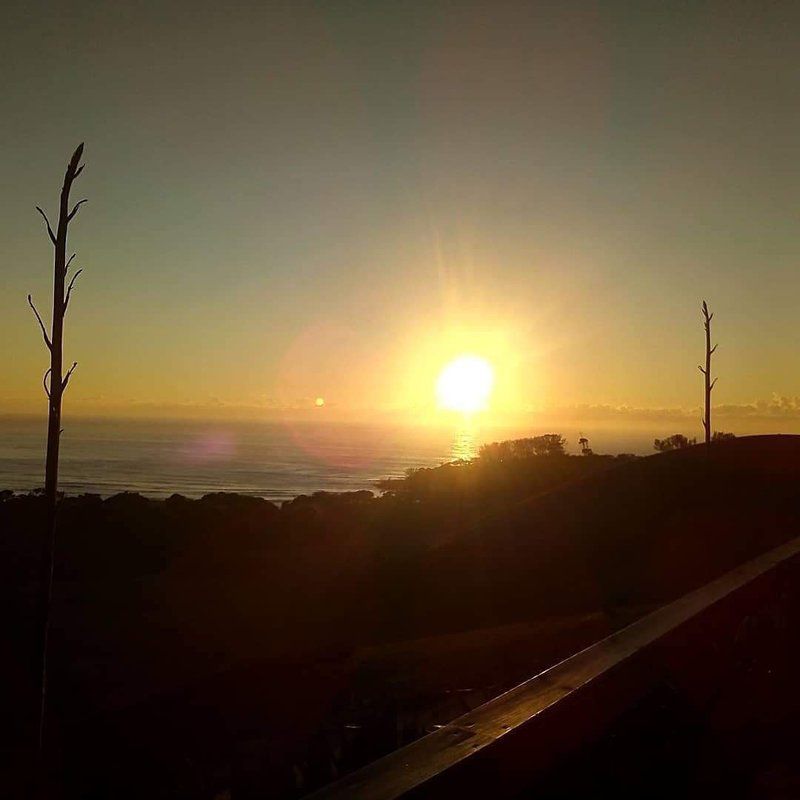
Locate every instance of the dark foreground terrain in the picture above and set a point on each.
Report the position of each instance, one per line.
(227, 646)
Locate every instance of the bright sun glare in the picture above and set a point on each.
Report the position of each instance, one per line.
(465, 384)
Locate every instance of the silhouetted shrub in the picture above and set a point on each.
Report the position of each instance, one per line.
(675, 442)
(550, 444)
(501, 472)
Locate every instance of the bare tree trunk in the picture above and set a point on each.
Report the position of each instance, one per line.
(709, 384)
(55, 382)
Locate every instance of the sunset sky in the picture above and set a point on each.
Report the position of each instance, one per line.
(334, 199)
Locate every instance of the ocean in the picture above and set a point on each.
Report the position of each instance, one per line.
(275, 460)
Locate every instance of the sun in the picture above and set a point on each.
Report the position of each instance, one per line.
(465, 384)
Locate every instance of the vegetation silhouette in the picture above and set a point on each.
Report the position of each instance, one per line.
(675, 442)
(550, 444)
(55, 382)
(679, 442)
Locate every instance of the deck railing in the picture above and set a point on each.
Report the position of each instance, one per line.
(506, 746)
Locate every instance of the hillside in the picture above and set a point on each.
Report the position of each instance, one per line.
(638, 534)
(205, 644)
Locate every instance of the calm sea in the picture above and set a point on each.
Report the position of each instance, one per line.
(268, 459)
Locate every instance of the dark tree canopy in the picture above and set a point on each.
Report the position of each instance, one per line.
(675, 442)
(550, 444)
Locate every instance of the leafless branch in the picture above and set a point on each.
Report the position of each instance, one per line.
(701, 369)
(713, 383)
(44, 381)
(41, 324)
(73, 170)
(75, 209)
(68, 375)
(69, 288)
(69, 261)
(47, 221)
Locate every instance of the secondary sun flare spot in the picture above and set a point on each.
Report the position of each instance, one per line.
(465, 385)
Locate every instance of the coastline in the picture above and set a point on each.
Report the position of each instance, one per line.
(274, 460)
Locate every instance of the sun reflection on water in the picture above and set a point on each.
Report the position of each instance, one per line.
(465, 444)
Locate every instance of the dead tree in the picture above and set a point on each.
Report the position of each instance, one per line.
(55, 382)
(709, 384)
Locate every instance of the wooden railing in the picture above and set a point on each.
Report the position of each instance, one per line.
(505, 746)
